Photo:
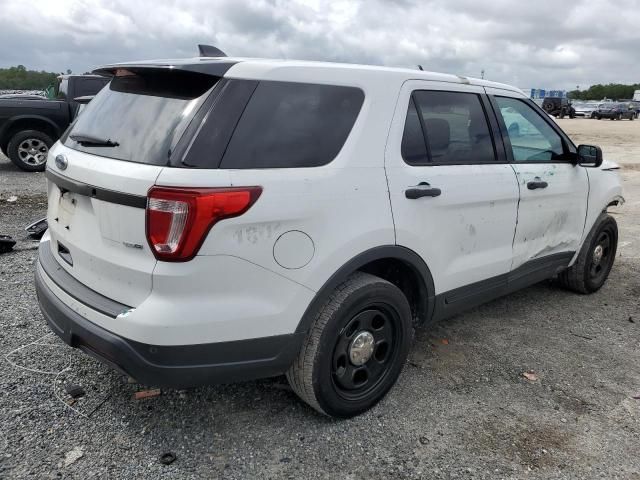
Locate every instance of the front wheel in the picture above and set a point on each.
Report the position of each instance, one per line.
(28, 150)
(595, 260)
(355, 349)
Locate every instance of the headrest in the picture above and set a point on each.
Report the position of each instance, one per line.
(438, 132)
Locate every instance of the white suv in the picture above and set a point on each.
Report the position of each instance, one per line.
(218, 219)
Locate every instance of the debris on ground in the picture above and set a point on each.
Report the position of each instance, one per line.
(637, 397)
(36, 229)
(146, 394)
(72, 456)
(6, 243)
(75, 391)
(12, 199)
(631, 320)
(531, 376)
(444, 341)
(167, 458)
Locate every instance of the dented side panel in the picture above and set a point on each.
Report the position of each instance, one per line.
(550, 220)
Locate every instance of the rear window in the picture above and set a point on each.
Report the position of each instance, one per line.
(287, 125)
(143, 112)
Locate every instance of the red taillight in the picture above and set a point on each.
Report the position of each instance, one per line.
(178, 219)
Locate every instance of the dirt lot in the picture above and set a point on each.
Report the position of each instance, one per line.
(461, 408)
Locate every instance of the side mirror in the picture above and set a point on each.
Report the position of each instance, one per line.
(589, 156)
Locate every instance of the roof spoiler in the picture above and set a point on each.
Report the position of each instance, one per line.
(210, 51)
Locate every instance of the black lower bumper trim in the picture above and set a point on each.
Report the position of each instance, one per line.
(179, 366)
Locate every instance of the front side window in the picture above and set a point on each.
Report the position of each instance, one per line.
(454, 126)
(532, 138)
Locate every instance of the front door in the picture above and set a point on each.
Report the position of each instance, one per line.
(453, 195)
(553, 188)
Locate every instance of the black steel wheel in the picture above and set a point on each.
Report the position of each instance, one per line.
(364, 351)
(602, 256)
(356, 347)
(595, 260)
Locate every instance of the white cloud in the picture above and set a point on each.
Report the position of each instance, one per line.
(544, 44)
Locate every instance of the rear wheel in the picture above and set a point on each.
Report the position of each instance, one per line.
(355, 349)
(28, 150)
(595, 260)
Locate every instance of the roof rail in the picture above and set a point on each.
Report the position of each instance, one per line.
(210, 51)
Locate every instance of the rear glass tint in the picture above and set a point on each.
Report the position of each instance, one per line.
(287, 125)
(145, 113)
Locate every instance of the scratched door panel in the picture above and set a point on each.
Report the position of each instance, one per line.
(550, 219)
(465, 234)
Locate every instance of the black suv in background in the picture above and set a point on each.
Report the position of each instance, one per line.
(29, 126)
(558, 107)
(615, 111)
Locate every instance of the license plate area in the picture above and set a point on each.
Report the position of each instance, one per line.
(66, 209)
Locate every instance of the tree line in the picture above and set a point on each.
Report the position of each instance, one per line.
(614, 91)
(19, 78)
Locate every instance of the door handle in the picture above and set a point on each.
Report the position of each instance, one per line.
(537, 183)
(423, 189)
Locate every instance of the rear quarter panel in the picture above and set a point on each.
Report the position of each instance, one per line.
(343, 207)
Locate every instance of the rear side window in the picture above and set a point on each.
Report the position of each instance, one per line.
(287, 125)
(140, 114)
(455, 129)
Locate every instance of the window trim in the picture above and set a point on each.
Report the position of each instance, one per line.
(498, 154)
(567, 144)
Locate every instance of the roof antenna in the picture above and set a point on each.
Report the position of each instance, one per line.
(210, 51)
(420, 68)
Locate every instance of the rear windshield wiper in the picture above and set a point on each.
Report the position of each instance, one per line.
(89, 141)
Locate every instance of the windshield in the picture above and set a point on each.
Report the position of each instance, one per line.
(139, 116)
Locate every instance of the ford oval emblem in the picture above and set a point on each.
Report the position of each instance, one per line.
(61, 162)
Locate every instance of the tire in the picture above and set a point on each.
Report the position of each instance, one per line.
(325, 374)
(591, 270)
(572, 113)
(631, 117)
(28, 150)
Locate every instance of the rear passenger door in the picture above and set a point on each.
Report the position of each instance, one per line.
(454, 197)
(553, 188)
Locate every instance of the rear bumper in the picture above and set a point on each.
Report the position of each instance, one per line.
(177, 366)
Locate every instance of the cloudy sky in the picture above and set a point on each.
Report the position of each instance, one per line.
(546, 43)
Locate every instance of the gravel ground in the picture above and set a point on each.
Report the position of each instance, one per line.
(461, 409)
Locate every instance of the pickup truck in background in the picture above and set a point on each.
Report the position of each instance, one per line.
(29, 126)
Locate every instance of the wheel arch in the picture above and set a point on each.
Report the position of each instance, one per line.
(28, 122)
(399, 265)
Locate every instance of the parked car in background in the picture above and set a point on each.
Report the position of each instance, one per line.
(224, 219)
(615, 111)
(635, 106)
(29, 126)
(586, 110)
(558, 107)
